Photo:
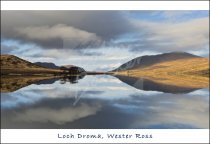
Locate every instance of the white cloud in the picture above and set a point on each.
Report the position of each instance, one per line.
(188, 35)
(66, 33)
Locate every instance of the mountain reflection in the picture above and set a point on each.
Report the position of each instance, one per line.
(14, 83)
(149, 85)
(71, 79)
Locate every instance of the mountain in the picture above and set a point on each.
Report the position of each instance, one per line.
(146, 61)
(14, 65)
(188, 73)
(47, 65)
(11, 61)
(167, 72)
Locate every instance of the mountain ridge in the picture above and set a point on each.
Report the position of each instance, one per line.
(149, 60)
(47, 65)
(14, 65)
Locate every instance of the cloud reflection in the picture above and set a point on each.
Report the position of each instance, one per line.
(57, 116)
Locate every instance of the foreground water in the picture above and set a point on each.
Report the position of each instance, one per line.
(104, 102)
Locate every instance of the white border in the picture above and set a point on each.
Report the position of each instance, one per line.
(105, 5)
(158, 136)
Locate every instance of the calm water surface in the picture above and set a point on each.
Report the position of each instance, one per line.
(104, 101)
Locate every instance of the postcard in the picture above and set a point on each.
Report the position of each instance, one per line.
(104, 76)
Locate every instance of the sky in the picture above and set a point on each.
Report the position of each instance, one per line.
(102, 40)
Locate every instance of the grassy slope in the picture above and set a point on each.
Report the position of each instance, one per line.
(192, 73)
(14, 65)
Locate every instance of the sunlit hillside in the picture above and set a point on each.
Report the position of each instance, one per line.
(13, 65)
(192, 72)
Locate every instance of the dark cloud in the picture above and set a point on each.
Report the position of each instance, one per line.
(68, 29)
(94, 29)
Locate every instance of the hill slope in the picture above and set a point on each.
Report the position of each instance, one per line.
(191, 72)
(13, 65)
(145, 61)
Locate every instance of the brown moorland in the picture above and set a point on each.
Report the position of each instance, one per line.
(193, 72)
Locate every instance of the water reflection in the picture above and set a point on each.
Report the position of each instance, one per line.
(103, 102)
(14, 83)
(149, 85)
(72, 79)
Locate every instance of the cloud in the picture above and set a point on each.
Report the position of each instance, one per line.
(75, 27)
(101, 37)
(183, 36)
(68, 34)
(192, 34)
(176, 14)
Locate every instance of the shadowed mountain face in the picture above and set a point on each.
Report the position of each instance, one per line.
(47, 65)
(149, 85)
(145, 61)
